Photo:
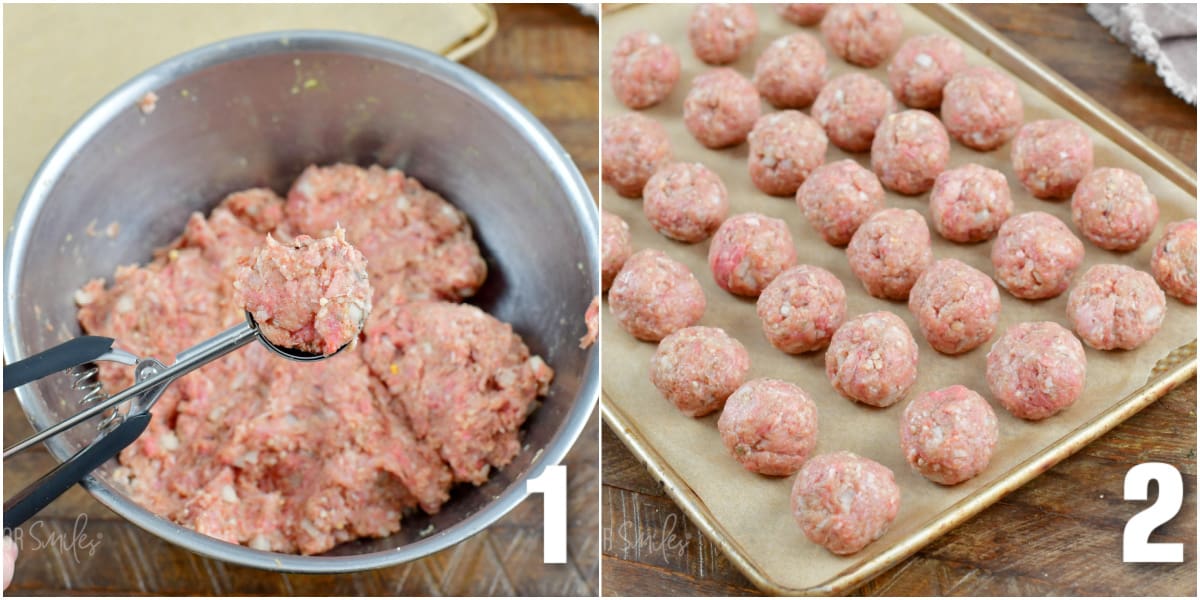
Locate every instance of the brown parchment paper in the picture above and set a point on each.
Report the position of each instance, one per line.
(61, 59)
(753, 511)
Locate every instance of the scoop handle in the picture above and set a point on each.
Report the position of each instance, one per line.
(61, 357)
(39, 494)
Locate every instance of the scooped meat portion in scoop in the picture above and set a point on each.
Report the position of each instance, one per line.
(309, 295)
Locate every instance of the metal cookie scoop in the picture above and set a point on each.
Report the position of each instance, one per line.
(118, 430)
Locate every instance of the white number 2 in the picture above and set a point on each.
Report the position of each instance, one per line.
(551, 483)
(1170, 498)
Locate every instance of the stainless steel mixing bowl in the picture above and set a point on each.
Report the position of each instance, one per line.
(255, 111)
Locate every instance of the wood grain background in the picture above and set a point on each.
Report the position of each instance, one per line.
(546, 57)
(1058, 535)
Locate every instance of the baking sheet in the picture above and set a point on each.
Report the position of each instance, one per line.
(748, 515)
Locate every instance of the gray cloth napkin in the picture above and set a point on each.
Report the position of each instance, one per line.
(1162, 34)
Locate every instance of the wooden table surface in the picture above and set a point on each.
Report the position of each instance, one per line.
(1061, 534)
(546, 57)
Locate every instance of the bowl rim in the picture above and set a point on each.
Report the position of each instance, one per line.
(285, 42)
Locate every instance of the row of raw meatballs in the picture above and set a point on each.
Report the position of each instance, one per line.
(791, 72)
(980, 107)
(1035, 256)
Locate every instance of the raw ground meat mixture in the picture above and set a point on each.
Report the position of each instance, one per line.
(591, 318)
(299, 457)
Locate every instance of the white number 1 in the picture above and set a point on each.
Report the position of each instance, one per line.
(551, 483)
(1170, 498)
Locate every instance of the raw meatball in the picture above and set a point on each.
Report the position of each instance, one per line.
(802, 14)
(1050, 157)
(644, 70)
(633, 148)
(697, 368)
(872, 358)
(843, 501)
(850, 108)
(685, 202)
(948, 435)
(655, 295)
(784, 148)
(1036, 369)
(615, 247)
(1174, 261)
(970, 203)
(309, 295)
(863, 34)
(1114, 209)
(748, 251)
(769, 426)
(889, 251)
(910, 149)
(956, 306)
(922, 67)
(1035, 255)
(721, 108)
(719, 33)
(802, 308)
(837, 198)
(982, 108)
(1116, 307)
(791, 71)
